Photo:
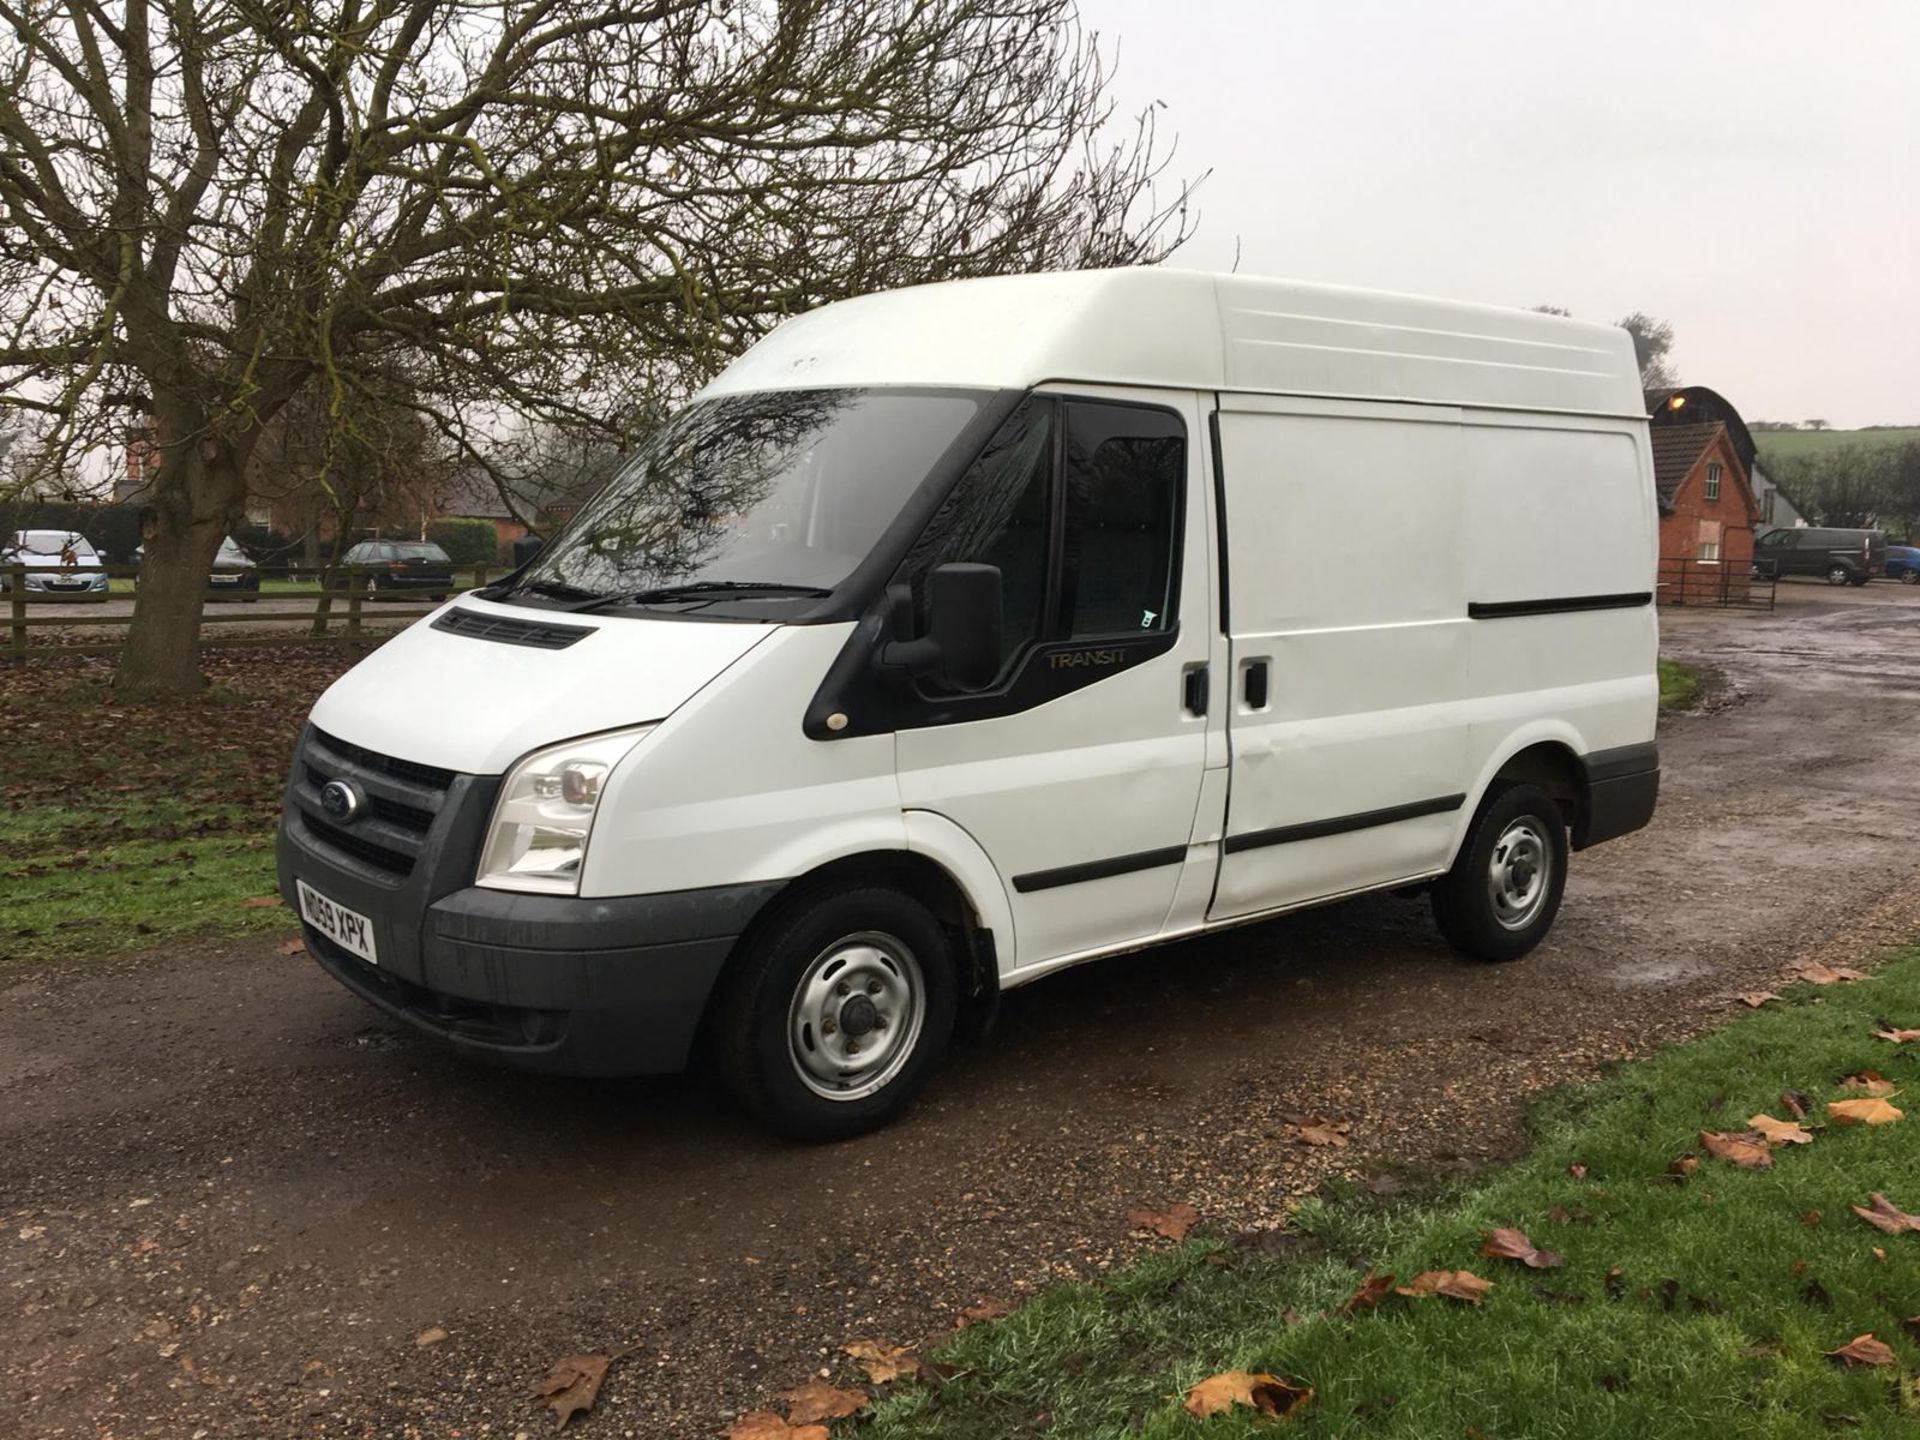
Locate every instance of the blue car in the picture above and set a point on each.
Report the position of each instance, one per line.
(1903, 564)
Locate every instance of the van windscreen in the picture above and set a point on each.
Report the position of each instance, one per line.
(772, 489)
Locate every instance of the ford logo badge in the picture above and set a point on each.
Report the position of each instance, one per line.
(341, 800)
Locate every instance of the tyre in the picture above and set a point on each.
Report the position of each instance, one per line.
(836, 1013)
(1910, 577)
(1859, 579)
(1839, 575)
(1499, 900)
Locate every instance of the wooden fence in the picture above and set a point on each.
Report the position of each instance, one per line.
(349, 607)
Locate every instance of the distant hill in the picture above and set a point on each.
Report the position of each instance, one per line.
(1796, 444)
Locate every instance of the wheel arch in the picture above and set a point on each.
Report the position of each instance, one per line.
(1547, 755)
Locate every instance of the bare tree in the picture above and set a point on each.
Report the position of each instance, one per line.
(1652, 342)
(207, 208)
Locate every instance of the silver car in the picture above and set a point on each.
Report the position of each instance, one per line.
(74, 572)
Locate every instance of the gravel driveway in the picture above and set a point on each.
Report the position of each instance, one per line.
(234, 1196)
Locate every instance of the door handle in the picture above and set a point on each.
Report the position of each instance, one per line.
(1253, 687)
(1195, 688)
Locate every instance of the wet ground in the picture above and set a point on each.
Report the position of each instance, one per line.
(233, 1197)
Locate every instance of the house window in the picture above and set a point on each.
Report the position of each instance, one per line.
(1713, 480)
(1706, 548)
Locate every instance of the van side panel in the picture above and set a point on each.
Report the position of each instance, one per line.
(1346, 540)
(1560, 512)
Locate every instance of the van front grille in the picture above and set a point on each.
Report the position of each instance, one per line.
(402, 801)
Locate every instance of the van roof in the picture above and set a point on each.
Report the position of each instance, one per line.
(1189, 330)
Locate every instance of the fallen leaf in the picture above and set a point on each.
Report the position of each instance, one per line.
(1754, 999)
(432, 1335)
(1316, 1130)
(1861, 1112)
(1896, 1037)
(765, 1425)
(979, 1314)
(816, 1401)
(1454, 1284)
(1577, 1170)
(1508, 1244)
(1863, 1350)
(1811, 1219)
(1879, 1255)
(290, 947)
(572, 1385)
(1869, 1082)
(1749, 1150)
(1814, 973)
(1795, 1104)
(1683, 1165)
(883, 1362)
(1367, 1294)
(1779, 1132)
(1268, 1394)
(260, 902)
(1171, 1223)
(1884, 1215)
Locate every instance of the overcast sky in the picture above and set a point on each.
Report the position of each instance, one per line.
(1749, 169)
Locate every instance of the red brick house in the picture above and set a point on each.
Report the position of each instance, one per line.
(1707, 513)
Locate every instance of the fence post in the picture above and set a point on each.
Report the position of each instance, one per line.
(17, 595)
(479, 575)
(356, 584)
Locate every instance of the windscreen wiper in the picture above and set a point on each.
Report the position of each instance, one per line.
(701, 589)
(559, 589)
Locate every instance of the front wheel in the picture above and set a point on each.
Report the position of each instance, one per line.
(837, 1013)
(1910, 577)
(1499, 900)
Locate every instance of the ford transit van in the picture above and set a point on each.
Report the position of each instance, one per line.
(959, 634)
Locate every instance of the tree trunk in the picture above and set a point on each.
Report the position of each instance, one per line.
(199, 489)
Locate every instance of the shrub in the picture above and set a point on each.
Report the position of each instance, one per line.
(467, 542)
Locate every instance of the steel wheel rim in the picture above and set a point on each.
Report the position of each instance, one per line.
(856, 1016)
(1520, 873)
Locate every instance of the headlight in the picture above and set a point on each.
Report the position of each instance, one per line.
(537, 839)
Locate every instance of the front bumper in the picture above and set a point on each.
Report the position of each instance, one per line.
(613, 986)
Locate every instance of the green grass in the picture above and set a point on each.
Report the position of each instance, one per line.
(1679, 684)
(1716, 1323)
(123, 827)
(1798, 444)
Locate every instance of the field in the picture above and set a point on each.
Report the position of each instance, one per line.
(1810, 444)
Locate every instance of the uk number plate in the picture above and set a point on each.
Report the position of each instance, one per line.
(348, 929)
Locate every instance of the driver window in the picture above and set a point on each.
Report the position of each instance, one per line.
(998, 515)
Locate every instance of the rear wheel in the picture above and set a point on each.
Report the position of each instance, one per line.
(1499, 900)
(837, 1013)
(1910, 577)
(1839, 575)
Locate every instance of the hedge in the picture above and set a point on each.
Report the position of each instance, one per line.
(467, 542)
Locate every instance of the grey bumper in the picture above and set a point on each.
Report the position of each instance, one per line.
(612, 986)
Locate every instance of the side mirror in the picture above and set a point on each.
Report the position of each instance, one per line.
(965, 616)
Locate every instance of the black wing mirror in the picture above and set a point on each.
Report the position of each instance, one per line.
(965, 617)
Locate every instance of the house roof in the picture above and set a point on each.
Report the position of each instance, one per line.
(1676, 450)
(1685, 405)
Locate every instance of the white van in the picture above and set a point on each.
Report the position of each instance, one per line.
(959, 634)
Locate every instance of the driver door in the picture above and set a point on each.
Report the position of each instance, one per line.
(1079, 770)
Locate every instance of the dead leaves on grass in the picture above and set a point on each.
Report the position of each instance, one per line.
(765, 1425)
(1461, 1285)
(1814, 973)
(1509, 1244)
(1779, 1132)
(1884, 1215)
(1749, 1149)
(1374, 1288)
(1863, 1350)
(1870, 1111)
(1895, 1036)
(1868, 1082)
(1256, 1390)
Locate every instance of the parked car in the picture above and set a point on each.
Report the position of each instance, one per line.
(404, 565)
(79, 574)
(1903, 564)
(233, 569)
(1840, 557)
